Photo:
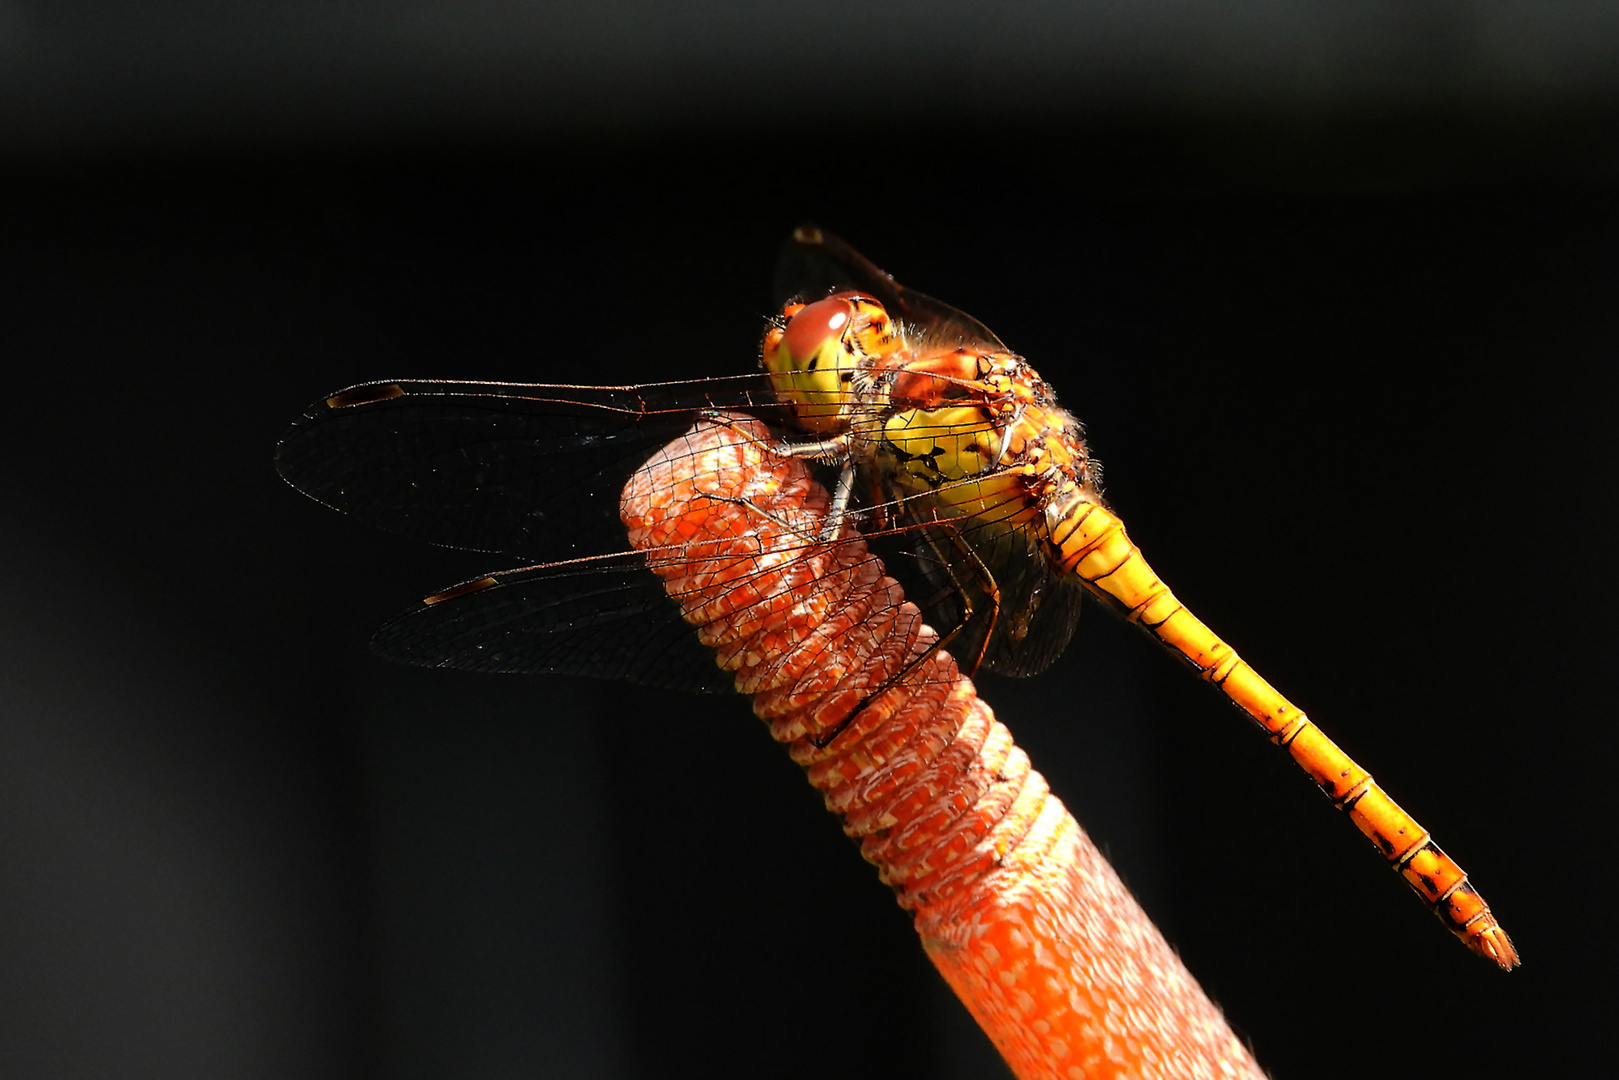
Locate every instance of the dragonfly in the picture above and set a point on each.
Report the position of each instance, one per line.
(938, 442)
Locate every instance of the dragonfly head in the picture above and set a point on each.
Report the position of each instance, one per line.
(815, 350)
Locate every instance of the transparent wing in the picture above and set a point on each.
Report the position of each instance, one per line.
(813, 262)
(602, 618)
(533, 470)
(993, 584)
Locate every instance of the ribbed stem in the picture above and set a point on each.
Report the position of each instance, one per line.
(1015, 906)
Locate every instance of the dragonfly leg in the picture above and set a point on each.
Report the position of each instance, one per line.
(834, 449)
(837, 516)
(992, 593)
(826, 738)
(831, 449)
(766, 514)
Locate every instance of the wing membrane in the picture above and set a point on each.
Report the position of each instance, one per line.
(602, 618)
(813, 262)
(992, 581)
(533, 470)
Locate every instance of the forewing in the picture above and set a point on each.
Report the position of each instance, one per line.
(534, 470)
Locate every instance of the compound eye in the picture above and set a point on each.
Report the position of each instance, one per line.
(813, 327)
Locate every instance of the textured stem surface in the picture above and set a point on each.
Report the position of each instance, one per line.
(1017, 909)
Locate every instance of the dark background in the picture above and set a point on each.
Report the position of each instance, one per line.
(1334, 293)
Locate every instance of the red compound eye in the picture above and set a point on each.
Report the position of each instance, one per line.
(815, 325)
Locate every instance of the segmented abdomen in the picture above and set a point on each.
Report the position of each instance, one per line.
(1091, 542)
(1015, 906)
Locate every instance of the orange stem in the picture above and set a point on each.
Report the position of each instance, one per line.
(1015, 906)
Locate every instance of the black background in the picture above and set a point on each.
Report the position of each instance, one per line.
(1349, 370)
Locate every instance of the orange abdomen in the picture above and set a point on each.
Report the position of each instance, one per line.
(1090, 542)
